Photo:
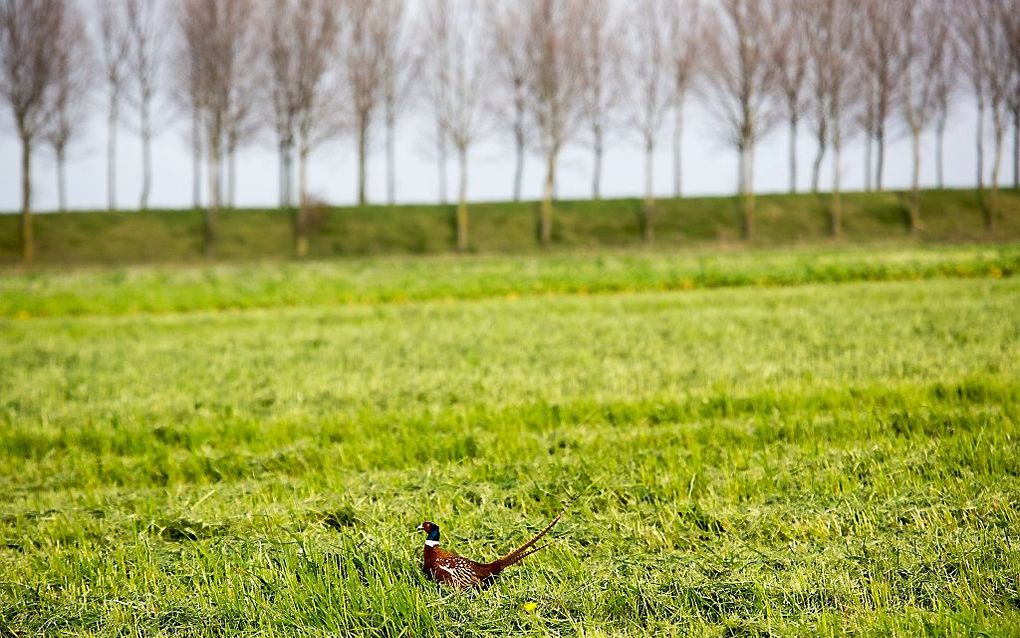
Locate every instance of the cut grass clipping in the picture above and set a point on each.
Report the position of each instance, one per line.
(819, 459)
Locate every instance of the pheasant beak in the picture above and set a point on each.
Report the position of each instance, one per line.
(419, 528)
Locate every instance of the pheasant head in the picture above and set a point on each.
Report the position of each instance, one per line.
(432, 533)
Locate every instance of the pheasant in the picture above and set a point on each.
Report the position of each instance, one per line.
(462, 573)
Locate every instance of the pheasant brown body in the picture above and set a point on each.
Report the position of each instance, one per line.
(463, 573)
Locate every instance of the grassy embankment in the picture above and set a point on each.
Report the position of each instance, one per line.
(781, 460)
(171, 236)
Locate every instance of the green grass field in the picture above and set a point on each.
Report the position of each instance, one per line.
(821, 441)
(950, 216)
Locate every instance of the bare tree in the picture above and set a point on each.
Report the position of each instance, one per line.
(601, 92)
(553, 89)
(191, 94)
(944, 78)
(364, 66)
(509, 52)
(834, 24)
(687, 35)
(27, 75)
(436, 55)
(217, 37)
(318, 110)
(792, 56)
(819, 92)
(398, 70)
(459, 89)
(925, 36)
(241, 122)
(301, 38)
(1011, 23)
(969, 19)
(868, 125)
(185, 92)
(114, 47)
(738, 86)
(72, 84)
(146, 29)
(881, 49)
(999, 83)
(279, 22)
(652, 95)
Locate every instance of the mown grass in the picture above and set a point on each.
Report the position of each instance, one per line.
(819, 459)
(949, 216)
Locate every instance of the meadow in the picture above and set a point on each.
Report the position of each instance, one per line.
(818, 441)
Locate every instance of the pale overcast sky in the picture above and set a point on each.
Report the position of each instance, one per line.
(710, 166)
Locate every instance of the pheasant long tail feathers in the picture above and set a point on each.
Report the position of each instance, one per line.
(526, 549)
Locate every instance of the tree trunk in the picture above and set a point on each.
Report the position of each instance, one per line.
(596, 184)
(362, 159)
(747, 190)
(868, 150)
(519, 167)
(301, 210)
(196, 161)
(914, 208)
(231, 176)
(462, 207)
(546, 210)
(146, 135)
(793, 154)
(441, 162)
(1016, 147)
(880, 157)
(286, 162)
(111, 156)
(992, 210)
(27, 238)
(648, 210)
(836, 211)
(816, 172)
(391, 160)
(981, 144)
(212, 210)
(940, 136)
(61, 180)
(678, 145)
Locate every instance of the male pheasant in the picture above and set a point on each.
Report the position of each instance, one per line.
(462, 573)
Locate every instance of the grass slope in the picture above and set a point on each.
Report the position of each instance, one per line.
(119, 238)
(820, 459)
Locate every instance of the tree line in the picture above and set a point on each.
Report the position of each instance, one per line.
(538, 74)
